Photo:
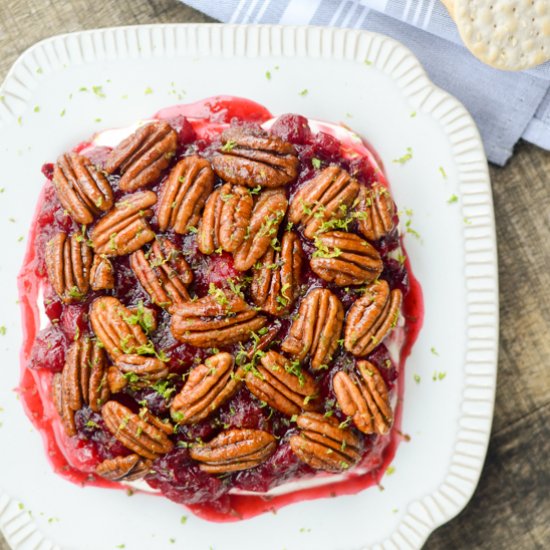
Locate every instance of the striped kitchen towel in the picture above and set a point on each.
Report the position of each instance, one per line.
(506, 105)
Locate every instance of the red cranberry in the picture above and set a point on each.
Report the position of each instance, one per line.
(48, 351)
(74, 320)
(326, 146)
(362, 169)
(396, 275)
(292, 128)
(47, 170)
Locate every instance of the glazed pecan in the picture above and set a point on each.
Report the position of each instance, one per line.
(144, 434)
(219, 319)
(115, 327)
(163, 273)
(68, 262)
(124, 468)
(234, 450)
(207, 388)
(254, 158)
(102, 274)
(125, 228)
(345, 259)
(81, 188)
(138, 370)
(323, 200)
(226, 218)
(283, 385)
(184, 194)
(275, 283)
(142, 157)
(371, 317)
(364, 398)
(267, 215)
(317, 329)
(83, 381)
(324, 444)
(377, 212)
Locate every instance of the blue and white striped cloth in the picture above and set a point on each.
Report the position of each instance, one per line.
(506, 105)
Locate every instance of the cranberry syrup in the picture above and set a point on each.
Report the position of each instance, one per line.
(175, 475)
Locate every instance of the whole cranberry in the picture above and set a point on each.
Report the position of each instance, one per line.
(292, 128)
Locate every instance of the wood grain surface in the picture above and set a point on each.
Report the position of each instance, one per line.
(511, 507)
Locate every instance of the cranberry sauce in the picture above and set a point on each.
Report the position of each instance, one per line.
(175, 475)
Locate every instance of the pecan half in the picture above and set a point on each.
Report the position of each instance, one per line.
(364, 398)
(234, 450)
(345, 259)
(275, 284)
(254, 158)
(83, 381)
(184, 194)
(102, 274)
(142, 157)
(163, 273)
(377, 212)
(220, 319)
(125, 228)
(283, 385)
(68, 262)
(124, 468)
(226, 218)
(324, 444)
(317, 329)
(371, 318)
(267, 215)
(138, 370)
(207, 388)
(323, 199)
(147, 436)
(81, 188)
(113, 325)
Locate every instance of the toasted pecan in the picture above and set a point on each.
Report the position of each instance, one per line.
(124, 468)
(324, 444)
(364, 398)
(345, 259)
(125, 228)
(234, 450)
(68, 262)
(254, 158)
(81, 188)
(142, 157)
(371, 318)
(376, 212)
(316, 330)
(184, 194)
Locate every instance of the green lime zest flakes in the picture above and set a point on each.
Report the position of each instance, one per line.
(467, 221)
(433, 351)
(390, 470)
(268, 75)
(97, 119)
(172, 540)
(120, 546)
(98, 91)
(148, 90)
(442, 172)
(304, 92)
(2, 189)
(36, 108)
(395, 510)
(183, 520)
(3, 330)
(323, 251)
(20, 120)
(438, 376)
(143, 317)
(228, 146)
(405, 158)
(20, 238)
(92, 424)
(367, 62)
(39, 70)
(452, 199)
(416, 378)
(62, 113)
(305, 530)
(21, 506)
(316, 163)
(413, 114)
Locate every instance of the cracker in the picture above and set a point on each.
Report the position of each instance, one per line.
(506, 34)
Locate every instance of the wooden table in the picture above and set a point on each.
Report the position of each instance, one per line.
(511, 507)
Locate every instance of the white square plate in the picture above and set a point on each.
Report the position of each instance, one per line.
(374, 85)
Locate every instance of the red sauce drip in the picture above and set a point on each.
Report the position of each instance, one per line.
(75, 460)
